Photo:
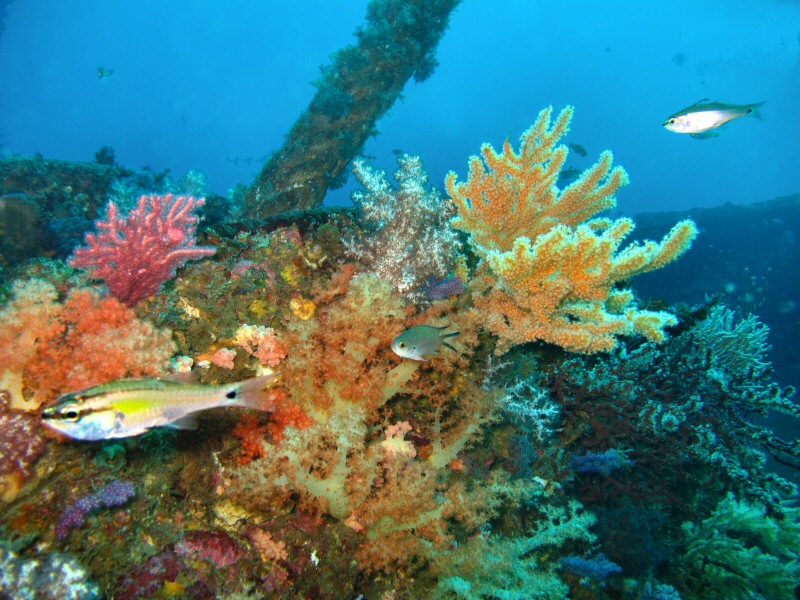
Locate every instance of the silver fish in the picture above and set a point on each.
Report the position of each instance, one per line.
(704, 118)
(422, 341)
(130, 407)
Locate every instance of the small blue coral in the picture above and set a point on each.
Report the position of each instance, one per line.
(603, 463)
(598, 567)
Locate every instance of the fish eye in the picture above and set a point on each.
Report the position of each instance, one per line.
(672, 121)
(402, 345)
(71, 414)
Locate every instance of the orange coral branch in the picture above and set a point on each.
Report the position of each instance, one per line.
(509, 195)
(552, 269)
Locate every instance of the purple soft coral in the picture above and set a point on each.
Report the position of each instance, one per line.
(116, 493)
(598, 567)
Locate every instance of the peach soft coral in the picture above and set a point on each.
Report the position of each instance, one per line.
(342, 372)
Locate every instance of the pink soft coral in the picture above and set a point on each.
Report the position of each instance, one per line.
(263, 343)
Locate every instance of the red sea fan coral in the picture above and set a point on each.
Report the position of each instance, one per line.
(135, 255)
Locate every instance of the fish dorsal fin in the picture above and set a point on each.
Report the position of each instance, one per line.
(184, 377)
(700, 101)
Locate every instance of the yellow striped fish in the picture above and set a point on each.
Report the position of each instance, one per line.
(130, 407)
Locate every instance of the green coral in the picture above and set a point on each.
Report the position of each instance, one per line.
(493, 566)
(740, 551)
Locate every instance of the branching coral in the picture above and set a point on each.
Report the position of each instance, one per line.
(550, 271)
(135, 255)
(340, 370)
(684, 427)
(737, 349)
(341, 357)
(509, 195)
(491, 566)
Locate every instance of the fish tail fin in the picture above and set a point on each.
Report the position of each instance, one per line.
(450, 334)
(753, 110)
(255, 393)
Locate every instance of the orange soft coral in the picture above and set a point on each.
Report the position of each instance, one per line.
(342, 355)
(251, 433)
(263, 343)
(26, 318)
(85, 341)
(510, 195)
(288, 414)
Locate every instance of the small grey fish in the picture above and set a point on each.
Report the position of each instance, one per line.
(578, 149)
(703, 119)
(568, 176)
(130, 407)
(422, 341)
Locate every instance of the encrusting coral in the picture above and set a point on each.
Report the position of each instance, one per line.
(551, 271)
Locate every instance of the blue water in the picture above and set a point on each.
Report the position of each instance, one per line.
(202, 85)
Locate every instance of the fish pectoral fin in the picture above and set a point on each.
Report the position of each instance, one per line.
(187, 422)
(704, 135)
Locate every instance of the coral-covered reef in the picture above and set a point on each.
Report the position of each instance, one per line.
(573, 442)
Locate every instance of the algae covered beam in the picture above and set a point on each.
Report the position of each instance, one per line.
(397, 42)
